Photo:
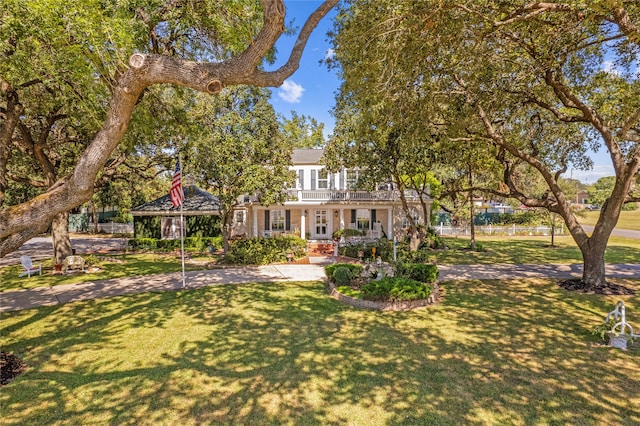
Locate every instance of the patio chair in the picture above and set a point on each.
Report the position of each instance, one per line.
(29, 268)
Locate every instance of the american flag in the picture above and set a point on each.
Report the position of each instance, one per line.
(176, 193)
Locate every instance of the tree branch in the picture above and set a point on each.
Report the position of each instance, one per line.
(145, 71)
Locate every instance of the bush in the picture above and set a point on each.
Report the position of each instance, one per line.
(392, 289)
(197, 244)
(342, 276)
(354, 270)
(384, 249)
(349, 232)
(424, 273)
(261, 251)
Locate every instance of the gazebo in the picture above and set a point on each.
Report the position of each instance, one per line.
(160, 219)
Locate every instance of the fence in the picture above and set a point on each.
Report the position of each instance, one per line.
(498, 230)
(115, 228)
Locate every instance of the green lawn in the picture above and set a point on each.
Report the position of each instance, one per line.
(493, 352)
(514, 250)
(533, 250)
(129, 265)
(628, 219)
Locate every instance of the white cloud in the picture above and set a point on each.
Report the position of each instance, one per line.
(291, 91)
(329, 54)
(610, 67)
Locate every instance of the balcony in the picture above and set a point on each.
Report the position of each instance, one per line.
(333, 195)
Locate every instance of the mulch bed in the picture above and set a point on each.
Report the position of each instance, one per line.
(580, 286)
(10, 367)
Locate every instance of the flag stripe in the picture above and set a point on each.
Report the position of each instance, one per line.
(176, 193)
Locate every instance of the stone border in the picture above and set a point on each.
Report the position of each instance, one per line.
(385, 306)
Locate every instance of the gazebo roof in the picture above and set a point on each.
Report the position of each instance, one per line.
(196, 202)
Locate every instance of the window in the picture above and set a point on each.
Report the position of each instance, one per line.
(323, 179)
(239, 216)
(277, 220)
(363, 219)
(171, 229)
(352, 179)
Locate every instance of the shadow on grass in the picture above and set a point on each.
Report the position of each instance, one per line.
(493, 352)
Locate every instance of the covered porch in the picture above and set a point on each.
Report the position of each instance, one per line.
(315, 222)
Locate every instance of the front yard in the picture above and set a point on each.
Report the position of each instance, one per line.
(508, 352)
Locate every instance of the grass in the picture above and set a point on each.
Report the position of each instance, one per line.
(628, 219)
(503, 249)
(493, 352)
(114, 266)
(531, 250)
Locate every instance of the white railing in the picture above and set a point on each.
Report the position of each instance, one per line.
(338, 195)
(498, 230)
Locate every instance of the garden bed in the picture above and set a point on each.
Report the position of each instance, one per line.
(385, 306)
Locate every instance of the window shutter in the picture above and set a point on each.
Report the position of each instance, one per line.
(342, 186)
(301, 178)
(267, 216)
(373, 217)
(332, 181)
(287, 220)
(313, 179)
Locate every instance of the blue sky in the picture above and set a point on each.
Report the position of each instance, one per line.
(311, 89)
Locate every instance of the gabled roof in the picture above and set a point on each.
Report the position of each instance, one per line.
(306, 156)
(196, 202)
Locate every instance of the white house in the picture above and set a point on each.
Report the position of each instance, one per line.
(321, 203)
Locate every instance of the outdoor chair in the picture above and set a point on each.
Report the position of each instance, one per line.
(73, 262)
(29, 268)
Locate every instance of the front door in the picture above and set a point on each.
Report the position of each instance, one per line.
(321, 224)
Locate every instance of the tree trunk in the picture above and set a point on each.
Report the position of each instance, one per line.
(472, 243)
(225, 227)
(593, 274)
(60, 237)
(94, 214)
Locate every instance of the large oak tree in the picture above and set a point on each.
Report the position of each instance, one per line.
(540, 83)
(200, 46)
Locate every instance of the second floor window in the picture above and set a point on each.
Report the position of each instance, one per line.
(352, 179)
(323, 179)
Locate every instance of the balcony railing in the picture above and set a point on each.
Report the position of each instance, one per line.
(332, 195)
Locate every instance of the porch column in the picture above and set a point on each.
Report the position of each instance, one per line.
(303, 224)
(255, 223)
(390, 223)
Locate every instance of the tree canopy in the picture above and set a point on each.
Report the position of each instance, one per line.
(100, 61)
(539, 84)
(232, 149)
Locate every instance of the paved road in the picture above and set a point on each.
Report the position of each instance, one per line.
(628, 233)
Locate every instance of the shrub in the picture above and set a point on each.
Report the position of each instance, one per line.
(393, 289)
(424, 273)
(348, 232)
(261, 251)
(423, 255)
(342, 276)
(354, 269)
(190, 244)
(384, 249)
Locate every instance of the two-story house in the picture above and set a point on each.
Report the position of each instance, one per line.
(321, 203)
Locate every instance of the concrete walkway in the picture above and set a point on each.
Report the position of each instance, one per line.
(47, 296)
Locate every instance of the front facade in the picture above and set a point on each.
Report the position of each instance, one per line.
(322, 203)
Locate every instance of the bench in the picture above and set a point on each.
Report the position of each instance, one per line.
(73, 262)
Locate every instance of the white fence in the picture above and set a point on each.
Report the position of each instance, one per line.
(114, 228)
(498, 230)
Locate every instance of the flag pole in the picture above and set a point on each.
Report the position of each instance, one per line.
(182, 226)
